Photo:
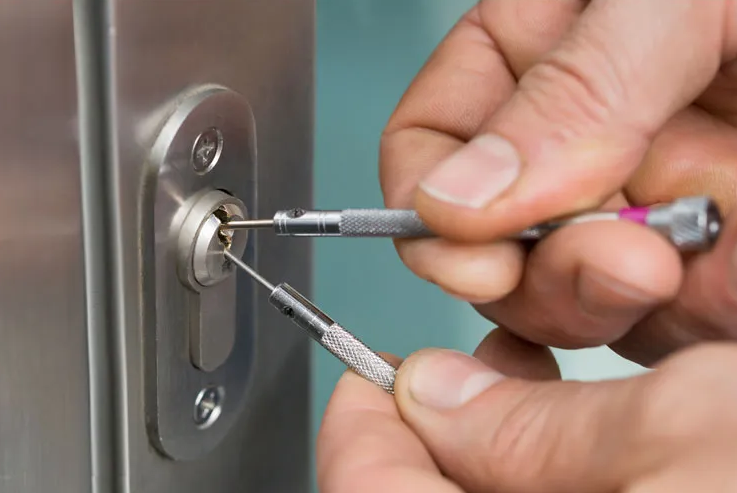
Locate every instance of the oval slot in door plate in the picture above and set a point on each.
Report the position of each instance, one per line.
(208, 142)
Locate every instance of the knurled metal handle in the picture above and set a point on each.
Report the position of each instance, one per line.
(359, 357)
(392, 223)
(690, 223)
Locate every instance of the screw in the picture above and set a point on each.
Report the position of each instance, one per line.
(206, 150)
(208, 406)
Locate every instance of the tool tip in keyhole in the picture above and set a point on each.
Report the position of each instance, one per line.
(247, 224)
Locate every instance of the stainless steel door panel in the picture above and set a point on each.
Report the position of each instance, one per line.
(264, 51)
(44, 406)
(81, 87)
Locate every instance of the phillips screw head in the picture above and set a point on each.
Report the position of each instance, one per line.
(206, 150)
(208, 406)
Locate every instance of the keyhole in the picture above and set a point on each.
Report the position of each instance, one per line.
(225, 236)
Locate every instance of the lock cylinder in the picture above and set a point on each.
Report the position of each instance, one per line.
(203, 268)
(202, 244)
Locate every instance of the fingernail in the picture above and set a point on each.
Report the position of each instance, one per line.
(476, 174)
(474, 300)
(449, 379)
(600, 295)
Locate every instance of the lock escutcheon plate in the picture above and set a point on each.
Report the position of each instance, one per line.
(198, 327)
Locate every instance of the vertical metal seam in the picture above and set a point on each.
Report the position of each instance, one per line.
(94, 49)
(118, 291)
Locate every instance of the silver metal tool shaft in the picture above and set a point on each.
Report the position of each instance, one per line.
(690, 223)
(251, 272)
(249, 224)
(379, 223)
(338, 341)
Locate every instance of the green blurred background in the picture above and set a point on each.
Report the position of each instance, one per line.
(368, 51)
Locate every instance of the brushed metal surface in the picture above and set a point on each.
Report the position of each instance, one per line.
(264, 51)
(44, 404)
(191, 327)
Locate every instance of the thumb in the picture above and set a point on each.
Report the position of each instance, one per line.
(490, 433)
(580, 120)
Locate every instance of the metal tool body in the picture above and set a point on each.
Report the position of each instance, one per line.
(323, 329)
(691, 223)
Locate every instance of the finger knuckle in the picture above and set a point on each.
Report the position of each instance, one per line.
(576, 86)
(513, 453)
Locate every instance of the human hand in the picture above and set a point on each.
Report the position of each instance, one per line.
(459, 426)
(616, 101)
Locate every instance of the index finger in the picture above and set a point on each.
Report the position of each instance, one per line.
(463, 83)
(364, 446)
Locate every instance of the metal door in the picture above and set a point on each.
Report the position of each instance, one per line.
(86, 87)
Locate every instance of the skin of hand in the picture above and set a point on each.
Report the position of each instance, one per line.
(457, 425)
(533, 109)
(530, 110)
